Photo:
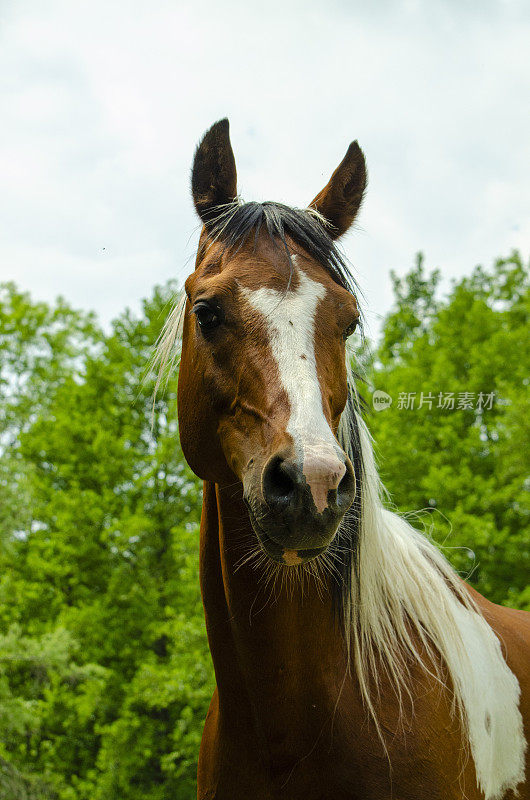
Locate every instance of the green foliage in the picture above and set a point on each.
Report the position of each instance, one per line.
(105, 676)
(469, 464)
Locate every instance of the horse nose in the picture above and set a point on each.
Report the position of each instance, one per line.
(281, 483)
(324, 475)
(289, 485)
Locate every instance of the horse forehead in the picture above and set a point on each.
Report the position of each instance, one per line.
(267, 283)
(228, 277)
(287, 306)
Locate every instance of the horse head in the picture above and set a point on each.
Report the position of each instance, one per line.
(263, 378)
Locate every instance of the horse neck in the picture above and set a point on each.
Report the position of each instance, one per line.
(267, 643)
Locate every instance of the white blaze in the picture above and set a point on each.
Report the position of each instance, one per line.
(291, 320)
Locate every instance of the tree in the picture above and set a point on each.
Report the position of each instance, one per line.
(105, 564)
(466, 463)
(40, 347)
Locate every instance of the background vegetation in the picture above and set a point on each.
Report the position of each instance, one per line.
(104, 670)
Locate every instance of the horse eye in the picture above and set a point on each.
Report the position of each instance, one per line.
(208, 317)
(351, 328)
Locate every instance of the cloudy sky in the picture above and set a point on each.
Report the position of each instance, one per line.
(102, 103)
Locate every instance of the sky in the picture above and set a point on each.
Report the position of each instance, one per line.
(103, 103)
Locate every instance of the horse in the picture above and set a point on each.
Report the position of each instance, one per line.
(350, 660)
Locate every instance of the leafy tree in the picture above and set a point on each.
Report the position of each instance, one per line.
(106, 559)
(47, 695)
(39, 348)
(469, 464)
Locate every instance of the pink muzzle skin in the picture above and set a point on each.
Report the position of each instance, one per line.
(323, 473)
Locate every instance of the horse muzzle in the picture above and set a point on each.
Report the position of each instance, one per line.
(298, 501)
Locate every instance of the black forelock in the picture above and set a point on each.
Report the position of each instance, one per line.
(234, 223)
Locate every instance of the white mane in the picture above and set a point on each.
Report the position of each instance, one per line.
(408, 603)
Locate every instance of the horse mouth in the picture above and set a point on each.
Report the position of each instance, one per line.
(287, 556)
(292, 558)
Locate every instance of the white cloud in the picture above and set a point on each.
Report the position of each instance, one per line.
(102, 105)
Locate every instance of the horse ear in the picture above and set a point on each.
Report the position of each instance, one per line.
(213, 177)
(340, 200)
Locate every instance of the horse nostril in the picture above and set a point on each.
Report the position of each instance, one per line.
(279, 483)
(346, 489)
